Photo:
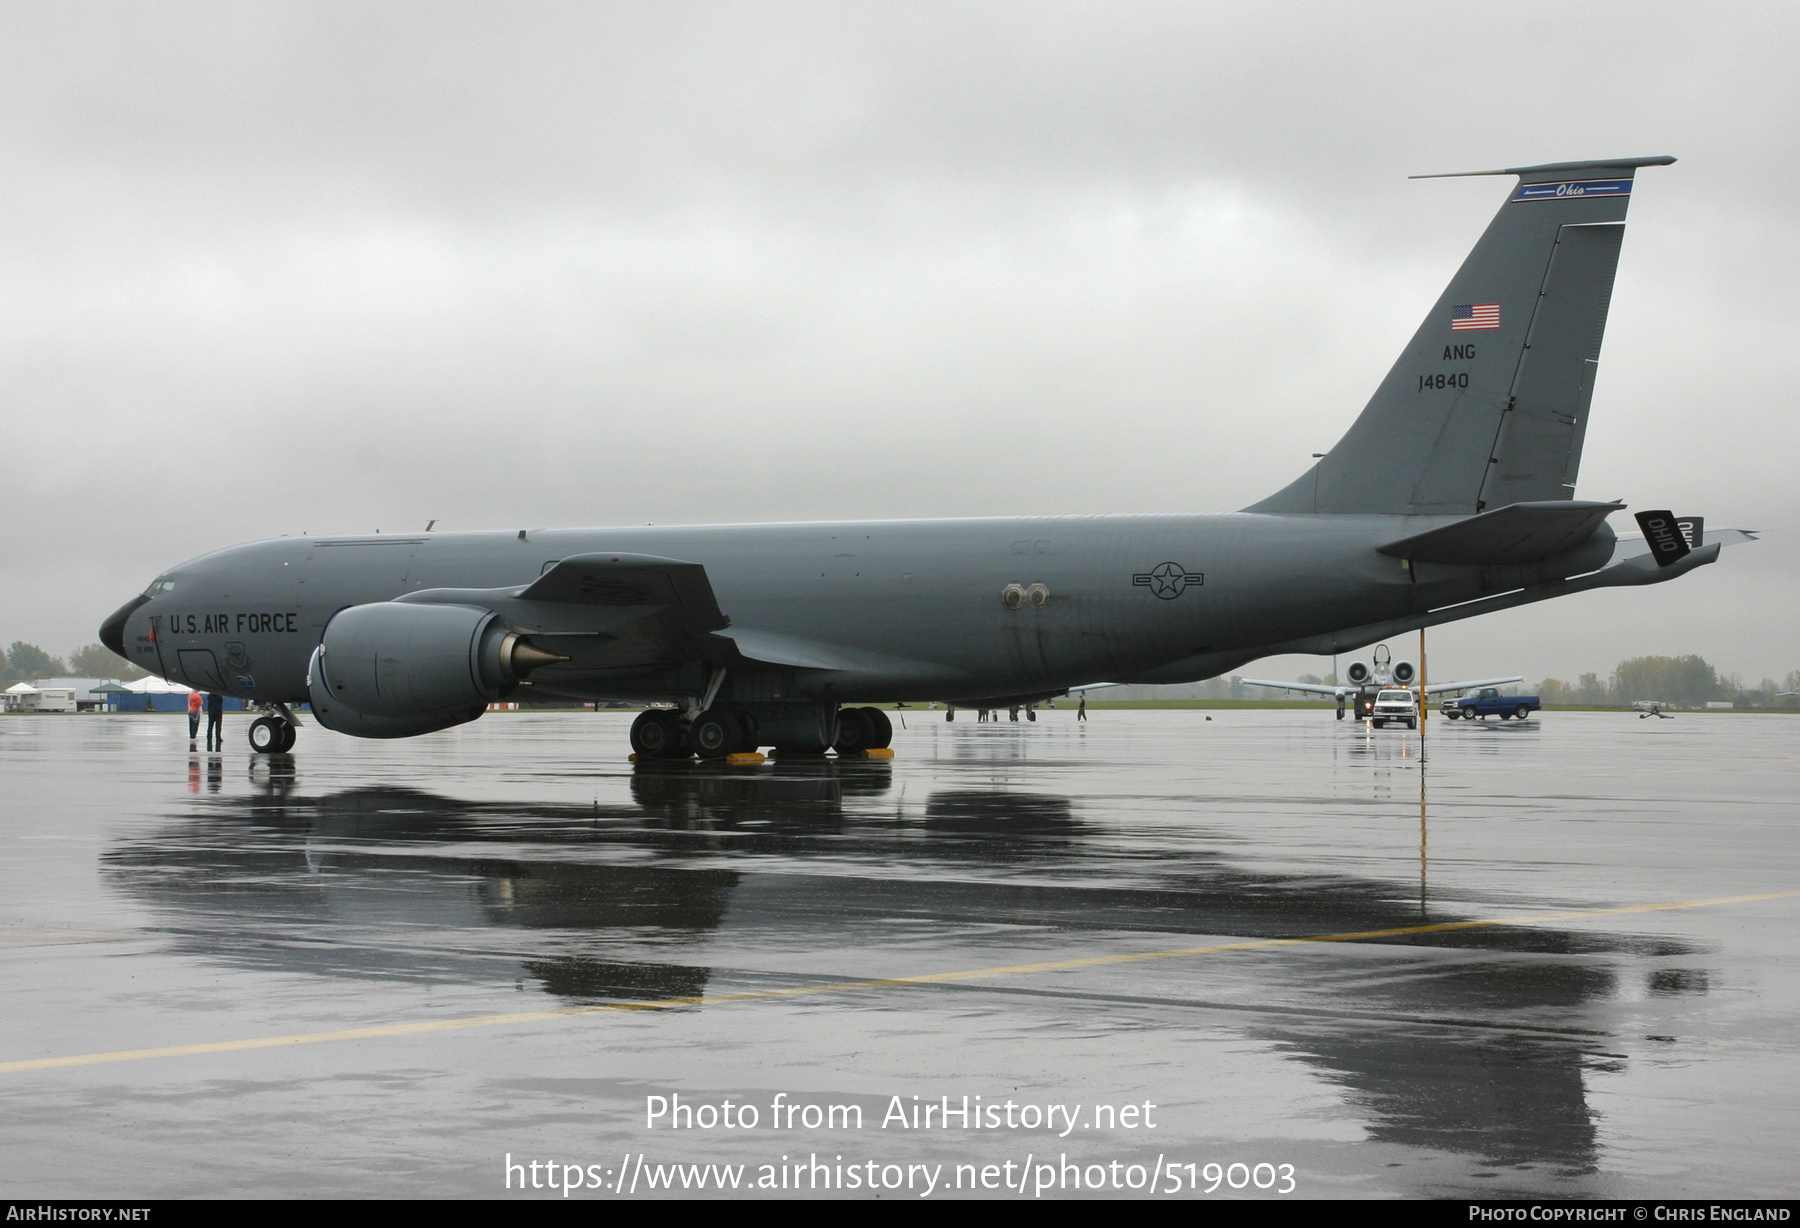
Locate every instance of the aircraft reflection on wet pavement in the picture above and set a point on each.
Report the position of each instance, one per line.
(1470, 1041)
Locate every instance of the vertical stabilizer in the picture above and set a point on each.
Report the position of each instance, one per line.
(1487, 405)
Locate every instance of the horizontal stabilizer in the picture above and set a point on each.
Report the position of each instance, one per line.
(1517, 533)
(1634, 546)
(1560, 168)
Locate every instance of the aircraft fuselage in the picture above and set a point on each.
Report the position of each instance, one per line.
(1451, 495)
(883, 610)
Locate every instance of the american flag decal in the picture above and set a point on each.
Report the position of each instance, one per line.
(1474, 315)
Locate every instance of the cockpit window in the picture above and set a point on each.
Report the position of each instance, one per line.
(159, 585)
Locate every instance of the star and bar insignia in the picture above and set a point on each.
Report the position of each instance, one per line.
(1168, 580)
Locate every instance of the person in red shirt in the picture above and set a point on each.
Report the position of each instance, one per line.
(193, 717)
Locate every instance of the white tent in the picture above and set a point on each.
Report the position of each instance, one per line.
(156, 686)
(20, 697)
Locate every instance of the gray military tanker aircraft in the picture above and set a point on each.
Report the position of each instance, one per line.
(1451, 496)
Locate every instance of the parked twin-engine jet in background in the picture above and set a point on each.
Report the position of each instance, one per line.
(1364, 681)
(1452, 495)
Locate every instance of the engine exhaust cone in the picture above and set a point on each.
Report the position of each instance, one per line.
(525, 658)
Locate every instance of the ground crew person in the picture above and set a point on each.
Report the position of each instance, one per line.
(193, 717)
(215, 721)
(1081, 708)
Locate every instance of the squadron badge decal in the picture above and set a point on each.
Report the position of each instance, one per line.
(1168, 580)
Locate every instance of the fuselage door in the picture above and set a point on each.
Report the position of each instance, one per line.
(200, 669)
(156, 640)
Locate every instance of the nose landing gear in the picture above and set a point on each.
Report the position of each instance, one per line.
(271, 735)
(274, 735)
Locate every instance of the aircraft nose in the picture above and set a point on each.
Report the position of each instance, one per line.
(112, 631)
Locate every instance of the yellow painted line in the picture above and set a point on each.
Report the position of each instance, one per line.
(795, 991)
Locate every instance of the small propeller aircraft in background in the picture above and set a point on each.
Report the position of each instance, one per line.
(1366, 682)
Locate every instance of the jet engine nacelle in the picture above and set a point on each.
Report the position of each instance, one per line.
(1358, 673)
(395, 669)
(1404, 673)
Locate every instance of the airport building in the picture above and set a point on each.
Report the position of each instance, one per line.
(50, 695)
(158, 695)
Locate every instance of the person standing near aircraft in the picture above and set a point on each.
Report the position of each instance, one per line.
(193, 717)
(1081, 708)
(215, 721)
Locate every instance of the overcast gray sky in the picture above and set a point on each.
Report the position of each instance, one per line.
(272, 268)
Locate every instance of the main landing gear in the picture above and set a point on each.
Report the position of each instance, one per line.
(715, 733)
(720, 731)
(861, 729)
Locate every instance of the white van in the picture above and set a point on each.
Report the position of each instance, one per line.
(1395, 705)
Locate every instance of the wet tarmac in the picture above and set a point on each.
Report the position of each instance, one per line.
(531, 940)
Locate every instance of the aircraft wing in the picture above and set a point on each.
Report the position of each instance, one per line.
(1437, 688)
(1433, 689)
(598, 594)
(1310, 687)
(676, 593)
(621, 614)
(773, 648)
(611, 616)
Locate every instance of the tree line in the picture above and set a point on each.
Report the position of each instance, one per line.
(1685, 681)
(1673, 680)
(27, 663)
